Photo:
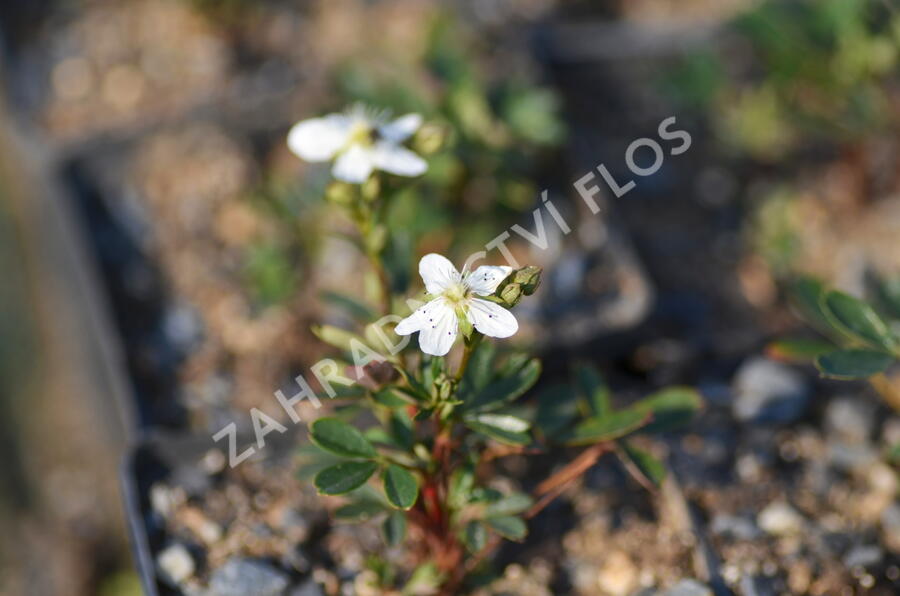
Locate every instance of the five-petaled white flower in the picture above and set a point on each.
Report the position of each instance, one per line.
(454, 292)
(360, 141)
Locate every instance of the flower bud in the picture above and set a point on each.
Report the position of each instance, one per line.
(340, 193)
(376, 239)
(371, 188)
(511, 294)
(430, 139)
(444, 386)
(529, 278)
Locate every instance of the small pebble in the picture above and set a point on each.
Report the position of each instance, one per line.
(780, 519)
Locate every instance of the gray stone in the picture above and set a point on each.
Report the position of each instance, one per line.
(863, 556)
(851, 457)
(755, 585)
(689, 587)
(735, 527)
(246, 577)
(890, 527)
(780, 519)
(307, 588)
(850, 419)
(769, 392)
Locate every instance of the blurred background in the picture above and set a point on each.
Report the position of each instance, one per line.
(164, 255)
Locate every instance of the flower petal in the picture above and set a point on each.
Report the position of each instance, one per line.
(438, 273)
(439, 330)
(398, 160)
(492, 319)
(400, 129)
(424, 315)
(318, 139)
(354, 165)
(485, 279)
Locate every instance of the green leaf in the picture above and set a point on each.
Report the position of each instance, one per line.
(507, 389)
(643, 462)
(426, 579)
(557, 409)
(362, 510)
(888, 291)
(594, 390)
(402, 429)
(337, 337)
(394, 528)
(499, 434)
(853, 363)
(474, 536)
(400, 486)
(509, 526)
(350, 305)
(376, 434)
(340, 438)
(670, 408)
(510, 504)
(798, 350)
(857, 319)
(344, 477)
(807, 294)
(505, 422)
(478, 372)
(462, 482)
(595, 430)
(393, 398)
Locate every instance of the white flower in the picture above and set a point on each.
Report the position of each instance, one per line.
(454, 292)
(359, 141)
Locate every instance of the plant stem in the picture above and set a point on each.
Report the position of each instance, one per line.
(384, 282)
(546, 492)
(470, 347)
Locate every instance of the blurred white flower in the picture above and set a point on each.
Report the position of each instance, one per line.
(454, 293)
(359, 141)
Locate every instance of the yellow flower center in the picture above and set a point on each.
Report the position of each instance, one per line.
(361, 133)
(455, 294)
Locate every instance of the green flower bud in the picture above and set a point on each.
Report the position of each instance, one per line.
(376, 239)
(511, 294)
(371, 188)
(340, 193)
(444, 387)
(529, 278)
(430, 139)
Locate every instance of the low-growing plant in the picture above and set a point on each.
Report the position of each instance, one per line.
(415, 441)
(861, 339)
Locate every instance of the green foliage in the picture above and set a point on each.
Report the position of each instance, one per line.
(813, 71)
(344, 477)
(861, 341)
